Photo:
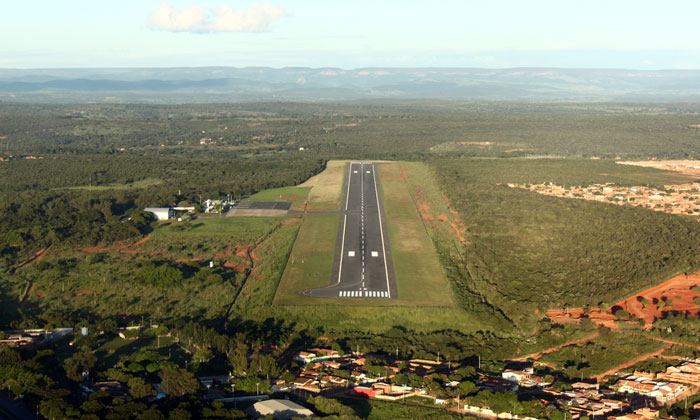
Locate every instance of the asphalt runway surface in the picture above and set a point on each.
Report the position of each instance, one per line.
(362, 266)
(260, 208)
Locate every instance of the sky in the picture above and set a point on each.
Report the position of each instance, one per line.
(639, 34)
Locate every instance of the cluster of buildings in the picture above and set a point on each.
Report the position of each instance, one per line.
(636, 396)
(666, 387)
(674, 199)
(318, 374)
(33, 338)
(169, 213)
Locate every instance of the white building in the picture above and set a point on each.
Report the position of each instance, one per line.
(279, 409)
(161, 213)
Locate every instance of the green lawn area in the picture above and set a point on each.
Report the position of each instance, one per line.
(110, 352)
(297, 195)
(246, 228)
(420, 278)
(311, 261)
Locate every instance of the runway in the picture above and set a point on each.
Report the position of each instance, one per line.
(362, 266)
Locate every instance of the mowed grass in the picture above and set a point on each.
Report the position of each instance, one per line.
(297, 195)
(420, 278)
(327, 192)
(311, 261)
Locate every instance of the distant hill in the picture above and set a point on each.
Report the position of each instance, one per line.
(229, 84)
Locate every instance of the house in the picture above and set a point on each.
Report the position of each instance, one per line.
(516, 376)
(364, 391)
(161, 213)
(315, 355)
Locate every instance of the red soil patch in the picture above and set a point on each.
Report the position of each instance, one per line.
(574, 316)
(676, 294)
(119, 248)
(403, 174)
(186, 260)
(255, 257)
(458, 232)
(87, 292)
(140, 241)
(242, 251)
(234, 267)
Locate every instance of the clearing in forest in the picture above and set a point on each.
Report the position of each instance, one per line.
(420, 279)
(680, 294)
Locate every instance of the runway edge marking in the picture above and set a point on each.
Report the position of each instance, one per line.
(381, 228)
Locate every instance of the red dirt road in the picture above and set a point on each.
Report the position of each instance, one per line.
(539, 354)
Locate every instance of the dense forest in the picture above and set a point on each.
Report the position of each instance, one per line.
(526, 251)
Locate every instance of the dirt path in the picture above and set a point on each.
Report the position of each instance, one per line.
(632, 362)
(539, 354)
(677, 343)
(37, 256)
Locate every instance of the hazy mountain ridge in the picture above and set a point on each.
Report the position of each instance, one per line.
(215, 84)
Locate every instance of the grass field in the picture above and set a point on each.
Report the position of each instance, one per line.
(311, 261)
(297, 195)
(325, 193)
(419, 276)
(207, 236)
(110, 352)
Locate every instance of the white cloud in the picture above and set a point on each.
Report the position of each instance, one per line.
(257, 18)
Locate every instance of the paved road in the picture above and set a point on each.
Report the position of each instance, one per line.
(362, 267)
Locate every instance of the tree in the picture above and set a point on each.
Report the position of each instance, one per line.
(179, 414)
(55, 408)
(177, 382)
(82, 361)
(138, 388)
(467, 387)
(264, 365)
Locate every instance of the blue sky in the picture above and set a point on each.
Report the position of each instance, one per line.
(351, 34)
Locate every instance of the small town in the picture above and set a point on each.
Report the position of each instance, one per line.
(674, 199)
(500, 390)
